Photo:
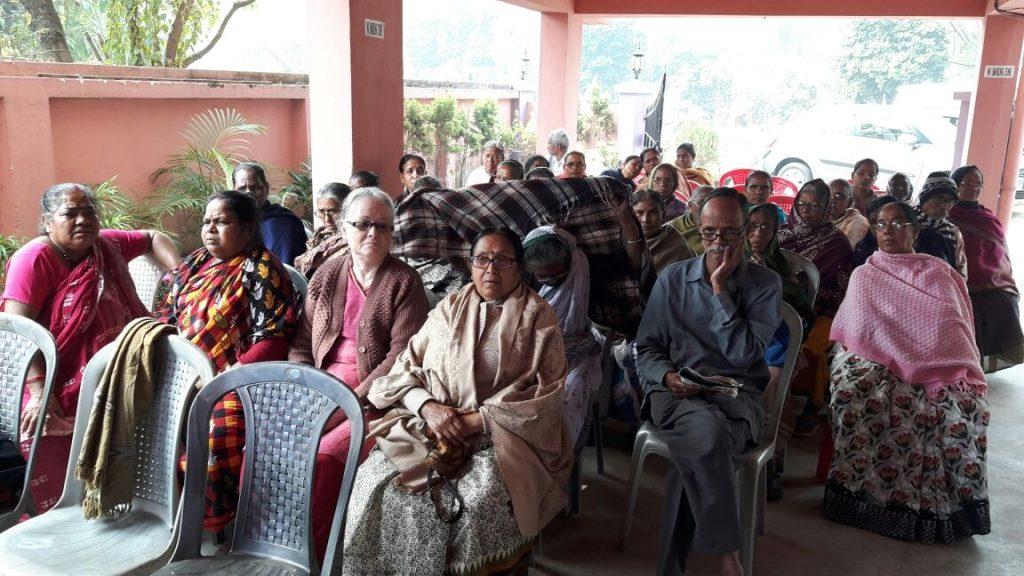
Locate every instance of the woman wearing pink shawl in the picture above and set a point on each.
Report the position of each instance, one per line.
(472, 455)
(72, 279)
(909, 414)
(994, 294)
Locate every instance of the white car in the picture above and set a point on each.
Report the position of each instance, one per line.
(826, 142)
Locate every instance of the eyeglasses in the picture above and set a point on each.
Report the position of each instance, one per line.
(364, 226)
(766, 227)
(811, 205)
(325, 213)
(729, 234)
(896, 226)
(500, 262)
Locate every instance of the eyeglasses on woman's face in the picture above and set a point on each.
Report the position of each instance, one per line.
(500, 262)
(331, 213)
(894, 225)
(810, 205)
(365, 225)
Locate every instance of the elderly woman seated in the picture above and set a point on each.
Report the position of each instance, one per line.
(689, 223)
(232, 298)
(563, 273)
(990, 281)
(473, 452)
(328, 241)
(937, 197)
(812, 234)
(73, 280)
(928, 240)
(909, 413)
(360, 313)
(665, 244)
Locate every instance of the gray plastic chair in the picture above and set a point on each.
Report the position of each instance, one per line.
(146, 273)
(807, 267)
(20, 340)
(61, 541)
(286, 406)
(749, 466)
(298, 281)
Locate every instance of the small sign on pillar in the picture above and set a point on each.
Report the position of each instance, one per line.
(373, 28)
(999, 71)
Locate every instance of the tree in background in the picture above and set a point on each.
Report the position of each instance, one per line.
(882, 55)
(605, 57)
(597, 122)
(419, 133)
(127, 32)
(485, 121)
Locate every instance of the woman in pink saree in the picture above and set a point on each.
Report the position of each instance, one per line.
(909, 413)
(73, 280)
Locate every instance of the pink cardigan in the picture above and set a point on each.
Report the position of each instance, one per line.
(395, 309)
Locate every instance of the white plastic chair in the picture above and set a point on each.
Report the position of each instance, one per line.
(286, 406)
(298, 281)
(751, 480)
(20, 340)
(807, 267)
(146, 273)
(61, 541)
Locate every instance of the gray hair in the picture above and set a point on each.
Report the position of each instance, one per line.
(54, 198)
(494, 144)
(371, 193)
(559, 138)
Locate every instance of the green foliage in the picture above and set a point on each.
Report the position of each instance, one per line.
(605, 54)
(419, 133)
(215, 142)
(485, 120)
(120, 212)
(882, 55)
(597, 122)
(300, 183)
(17, 40)
(704, 139)
(138, 30)
(8, 246)
(519, 137)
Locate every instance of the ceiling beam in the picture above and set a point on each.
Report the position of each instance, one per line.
(556, 6)
(861, 8)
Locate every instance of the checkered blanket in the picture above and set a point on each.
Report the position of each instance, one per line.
(442, 223)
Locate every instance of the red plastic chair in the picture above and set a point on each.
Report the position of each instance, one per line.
(784, 187)
(736, 177)
(784, 202)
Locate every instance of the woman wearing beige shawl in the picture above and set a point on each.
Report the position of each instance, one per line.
(484, 375)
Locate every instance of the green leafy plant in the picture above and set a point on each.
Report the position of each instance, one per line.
(216, 141)
(120, 212)
(300, 183)
(8, 246)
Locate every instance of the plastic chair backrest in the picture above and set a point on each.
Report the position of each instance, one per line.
(778, 398)
(298, 281)
(179, 364)
(146, 274)
(808, 268)
(286, 406)
(784, 187)
(784, 202)
(20, 340)
(735, 177)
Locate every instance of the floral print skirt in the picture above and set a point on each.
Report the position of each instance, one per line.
(391, 532)
(907, 465)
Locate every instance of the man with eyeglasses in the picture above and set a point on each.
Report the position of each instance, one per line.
(714, 314)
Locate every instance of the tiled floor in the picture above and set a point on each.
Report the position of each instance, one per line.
(799, 540)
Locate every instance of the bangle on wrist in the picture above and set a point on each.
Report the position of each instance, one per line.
(637, 241)
(33, 379)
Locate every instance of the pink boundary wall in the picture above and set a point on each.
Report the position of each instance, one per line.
(86, 123)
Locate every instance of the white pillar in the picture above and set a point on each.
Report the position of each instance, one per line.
(633, 99)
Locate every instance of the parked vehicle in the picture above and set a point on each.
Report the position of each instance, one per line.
(827, 141)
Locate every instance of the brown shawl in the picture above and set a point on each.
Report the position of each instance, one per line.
(326, 243)
(522, 410)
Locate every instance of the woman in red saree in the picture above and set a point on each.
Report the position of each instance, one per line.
(993, 290)
(72, 279)
(233, 299)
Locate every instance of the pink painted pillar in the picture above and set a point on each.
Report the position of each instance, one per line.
(990, 145)
(355, 90)
(561, 44)
(28, 143)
